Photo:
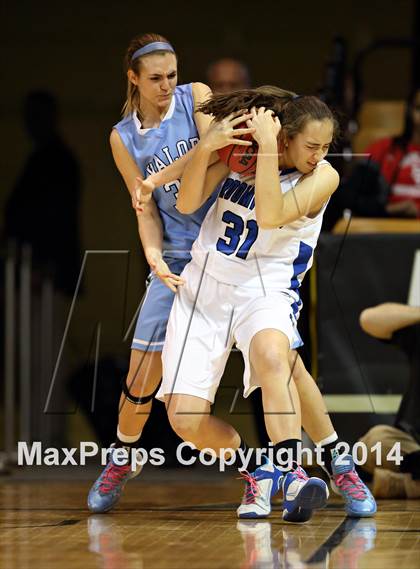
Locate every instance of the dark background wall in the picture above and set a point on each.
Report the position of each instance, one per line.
(75, 49)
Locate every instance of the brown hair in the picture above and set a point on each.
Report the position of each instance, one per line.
(294, 111)
(267, 96)
(132, 102)
(303, 109)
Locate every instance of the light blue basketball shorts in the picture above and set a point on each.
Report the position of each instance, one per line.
(152, 320)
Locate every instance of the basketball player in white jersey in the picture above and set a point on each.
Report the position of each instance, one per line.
(242, 286)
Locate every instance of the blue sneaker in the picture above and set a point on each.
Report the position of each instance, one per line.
(261, 486)
(302, 495)
(345, 481)
(107, 489)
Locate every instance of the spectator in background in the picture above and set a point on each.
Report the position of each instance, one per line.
(397, 324)
(43, 207)
(42, 211)
(399, 162)
(227, 74)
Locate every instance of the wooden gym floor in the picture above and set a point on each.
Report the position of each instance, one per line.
(185, 519)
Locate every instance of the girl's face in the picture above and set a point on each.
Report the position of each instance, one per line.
(309, 146)
(157, 79)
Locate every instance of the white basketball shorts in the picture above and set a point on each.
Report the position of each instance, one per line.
(207, 318)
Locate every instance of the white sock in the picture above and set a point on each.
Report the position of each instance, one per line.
(129, 439)
(328, 440)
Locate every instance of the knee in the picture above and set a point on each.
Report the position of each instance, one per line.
(136, 385)
(139, 387)
(186, 425)
(270, 362)
(141, 383)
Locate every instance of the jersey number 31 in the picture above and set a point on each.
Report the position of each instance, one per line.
(233, 234)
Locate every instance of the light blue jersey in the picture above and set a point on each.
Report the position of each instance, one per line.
(152, 149)
(155, 148)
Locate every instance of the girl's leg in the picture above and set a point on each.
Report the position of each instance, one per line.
(135, 405)
(142, 380)
(315, 418)
(318, 425)
(145, 370)
(269, 359)
(268, 354)
(190, 418)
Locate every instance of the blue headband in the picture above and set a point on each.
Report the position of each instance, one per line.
(154, 46)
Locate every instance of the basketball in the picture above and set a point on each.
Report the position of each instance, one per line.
(240, 159)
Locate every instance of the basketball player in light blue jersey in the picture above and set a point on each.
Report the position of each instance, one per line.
(242, 286)
(154, 140)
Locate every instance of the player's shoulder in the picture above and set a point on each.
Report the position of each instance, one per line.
(324, 173)
(201, 92)
(124, 124)
(183, 97)
(325, 166)
(195, 88)
(324, 162)
(184, 89)
(116, 137)
(198, 87)
(331, 177)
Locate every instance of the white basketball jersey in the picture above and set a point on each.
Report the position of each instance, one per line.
(234, 250)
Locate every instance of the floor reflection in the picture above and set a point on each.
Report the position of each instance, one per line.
(343, 548)
(349, 541)
(360, 540)
(259, 550)
(106, 540)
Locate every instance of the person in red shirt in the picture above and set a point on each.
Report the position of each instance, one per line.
(399, 162)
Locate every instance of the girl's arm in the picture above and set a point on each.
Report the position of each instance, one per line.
(305, 200)
(272, 207)
(201, 93)
(151, 237)
(125, 163)
(149, 223)
(200, 178)
(267, 183)
(383, 320)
